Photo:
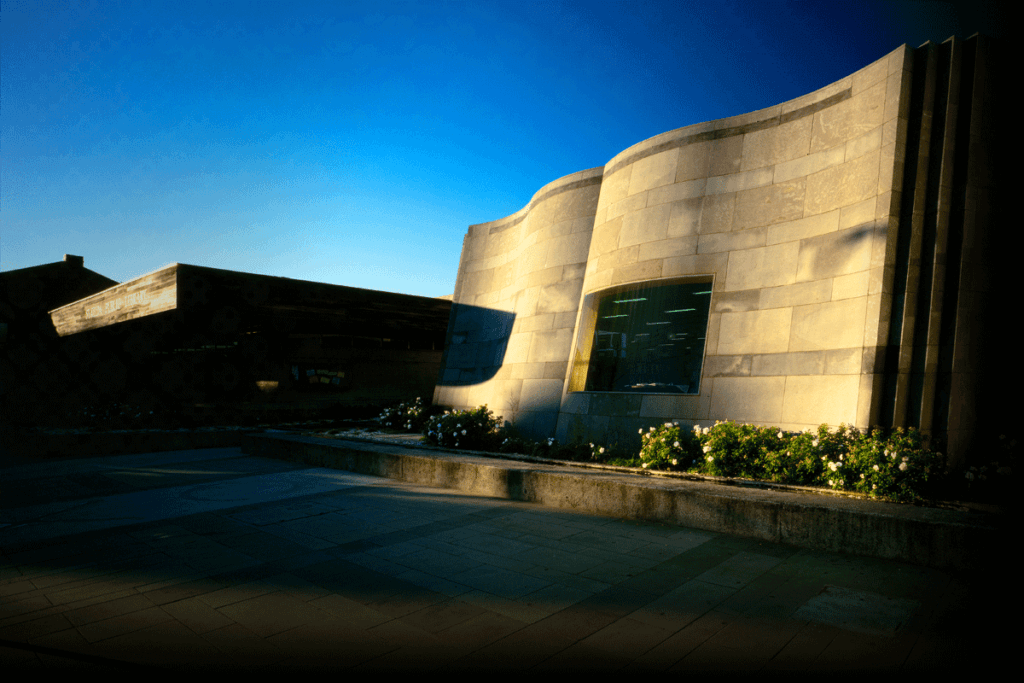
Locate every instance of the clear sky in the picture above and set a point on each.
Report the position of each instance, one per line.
(354, 142)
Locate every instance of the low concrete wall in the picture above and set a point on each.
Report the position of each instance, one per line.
(927, 536)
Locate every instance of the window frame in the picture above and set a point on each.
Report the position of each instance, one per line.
(588, 333)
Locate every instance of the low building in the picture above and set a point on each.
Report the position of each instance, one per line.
(188, 335)
(823, 260)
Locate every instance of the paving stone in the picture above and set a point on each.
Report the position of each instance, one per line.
(198, 616)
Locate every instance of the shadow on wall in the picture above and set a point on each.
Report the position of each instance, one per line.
(477, 341)
(834, 254)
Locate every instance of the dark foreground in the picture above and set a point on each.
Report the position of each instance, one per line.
(209, 559)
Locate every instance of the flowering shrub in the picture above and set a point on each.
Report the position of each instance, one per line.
(889, 464)
(735, 450)
(895, 465)
(667, 448)
(410, 416)
(475, 429)
(992, 479)
(892, 465)
(612, 455)
(833, 451)
(798, 461)
(513, 442)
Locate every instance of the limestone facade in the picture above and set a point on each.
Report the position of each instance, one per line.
(818, 224)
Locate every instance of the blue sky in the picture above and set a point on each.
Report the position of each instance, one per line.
(354, 142)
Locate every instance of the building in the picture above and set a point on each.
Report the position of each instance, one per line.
(193, 334)
(190, 337)
(823, 260)
(38, 374)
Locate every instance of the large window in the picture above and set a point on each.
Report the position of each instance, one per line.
(646, 338)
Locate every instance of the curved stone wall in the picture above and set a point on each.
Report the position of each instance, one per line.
(805, 218)
(786, 209)
(515, 305)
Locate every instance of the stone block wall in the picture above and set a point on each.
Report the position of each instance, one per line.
(523, 274)
(785, 210)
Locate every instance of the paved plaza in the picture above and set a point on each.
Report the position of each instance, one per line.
(211, 559)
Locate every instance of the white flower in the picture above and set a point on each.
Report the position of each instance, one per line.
(861, 476)
(645, 466)
(675, 461)
(602, 450)
(668, 424)
(830, 482)
(707, 449)
(903, 467)
(706, 430)
(780, 433)
(876, 468)
(676, 444)
(463, 432)
(815, 443)
(710, 459)
(833, 466)
(641, 431)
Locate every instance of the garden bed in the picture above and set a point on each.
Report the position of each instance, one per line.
(896, 465)
(418, 441)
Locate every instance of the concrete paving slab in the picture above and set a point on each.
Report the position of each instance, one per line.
(855, 610)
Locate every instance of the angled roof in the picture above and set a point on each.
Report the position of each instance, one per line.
(294, 305)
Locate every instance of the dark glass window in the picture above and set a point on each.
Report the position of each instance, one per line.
(650, 339)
